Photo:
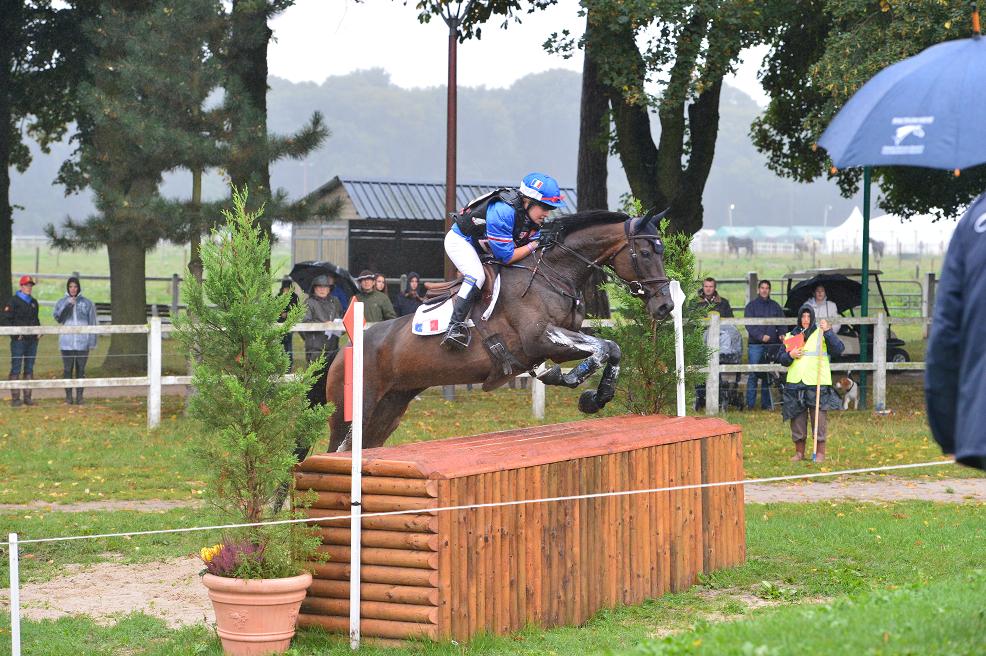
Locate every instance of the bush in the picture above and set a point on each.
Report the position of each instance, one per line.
(254, 423)
(647, 383)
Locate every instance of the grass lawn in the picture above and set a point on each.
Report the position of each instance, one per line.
(826, 578)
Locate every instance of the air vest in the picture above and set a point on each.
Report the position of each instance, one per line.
(805, 368)
(471, 220)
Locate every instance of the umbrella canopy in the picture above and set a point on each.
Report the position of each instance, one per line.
(304, 273)
(923, 111)
(844, 292)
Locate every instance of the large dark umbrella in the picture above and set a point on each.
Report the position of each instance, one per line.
(304, 273)
(844, 292)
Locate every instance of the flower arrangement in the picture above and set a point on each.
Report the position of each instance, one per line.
(256, 425)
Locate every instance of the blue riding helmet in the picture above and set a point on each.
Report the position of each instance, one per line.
(542, 188)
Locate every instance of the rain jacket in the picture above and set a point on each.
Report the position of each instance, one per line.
(799, 388)
(80, 313)
(826, 310)
(764, 309)
(955, 375)
(376, 306)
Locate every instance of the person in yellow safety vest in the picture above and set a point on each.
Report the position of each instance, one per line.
(808, 368)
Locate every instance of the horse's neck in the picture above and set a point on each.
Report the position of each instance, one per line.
(591, 245)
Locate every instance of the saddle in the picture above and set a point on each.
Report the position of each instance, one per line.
(441, 291)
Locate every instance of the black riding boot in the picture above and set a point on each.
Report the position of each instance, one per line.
(457, 337)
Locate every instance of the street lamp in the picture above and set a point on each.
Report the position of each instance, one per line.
(825, 220)
(731, 208)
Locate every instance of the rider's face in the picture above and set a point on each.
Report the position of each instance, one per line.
(537, 212)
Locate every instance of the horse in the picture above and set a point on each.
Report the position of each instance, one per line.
(537, 319)
(878, 247)
(736, 243)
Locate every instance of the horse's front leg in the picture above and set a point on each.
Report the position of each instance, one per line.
(562, 345)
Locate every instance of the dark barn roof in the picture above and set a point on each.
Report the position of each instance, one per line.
(383, 199)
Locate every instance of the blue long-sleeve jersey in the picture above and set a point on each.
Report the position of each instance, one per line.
(499, 237)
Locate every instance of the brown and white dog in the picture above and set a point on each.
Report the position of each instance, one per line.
(849, 390)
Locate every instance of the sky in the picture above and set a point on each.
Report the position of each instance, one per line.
(316, 39)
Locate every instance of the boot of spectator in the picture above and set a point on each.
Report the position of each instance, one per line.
(15, 394)
(820, 452)
(78, 395)
(27, 392)
(68, 395)
(799, 451)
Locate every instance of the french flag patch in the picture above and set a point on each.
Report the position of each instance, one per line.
(417, 327)
(433, 324)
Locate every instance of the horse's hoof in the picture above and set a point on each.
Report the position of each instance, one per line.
(552, 376)
(587, 403)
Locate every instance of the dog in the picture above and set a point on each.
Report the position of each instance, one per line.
(850, 392)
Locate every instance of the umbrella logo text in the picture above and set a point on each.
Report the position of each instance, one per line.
(907, 126)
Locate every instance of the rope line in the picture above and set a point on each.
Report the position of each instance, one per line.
(594, 495)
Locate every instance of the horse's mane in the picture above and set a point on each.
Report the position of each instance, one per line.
(579, 220)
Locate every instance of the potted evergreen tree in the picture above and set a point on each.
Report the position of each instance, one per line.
(255, 426)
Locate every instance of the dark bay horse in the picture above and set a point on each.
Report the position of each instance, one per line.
(537, 318)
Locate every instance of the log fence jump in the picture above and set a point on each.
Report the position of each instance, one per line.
(453, 574)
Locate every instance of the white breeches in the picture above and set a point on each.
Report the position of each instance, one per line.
(466, 260)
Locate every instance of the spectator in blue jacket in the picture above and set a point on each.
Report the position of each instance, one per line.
(74, 309)
(763, 343)
(955, 383)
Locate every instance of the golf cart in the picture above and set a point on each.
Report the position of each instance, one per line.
(842, 287)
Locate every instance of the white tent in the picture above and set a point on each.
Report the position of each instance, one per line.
(917, 234)
(846, 237)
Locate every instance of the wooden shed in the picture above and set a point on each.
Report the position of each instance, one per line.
(455, 573)
(390, 226)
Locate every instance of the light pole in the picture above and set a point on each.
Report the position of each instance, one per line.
(825, 219)
(731, 208)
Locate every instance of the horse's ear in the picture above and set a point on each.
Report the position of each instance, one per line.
(651, 218)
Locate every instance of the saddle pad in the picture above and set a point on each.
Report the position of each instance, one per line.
(434, 319)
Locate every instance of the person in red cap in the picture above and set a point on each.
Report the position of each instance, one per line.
(22, 310)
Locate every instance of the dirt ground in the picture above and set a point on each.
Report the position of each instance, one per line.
(172, 591)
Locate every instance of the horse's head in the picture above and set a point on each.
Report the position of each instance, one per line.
(641, 263)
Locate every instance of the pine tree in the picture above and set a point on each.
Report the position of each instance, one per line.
(255, 424)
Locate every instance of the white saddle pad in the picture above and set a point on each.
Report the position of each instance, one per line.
(432, 320)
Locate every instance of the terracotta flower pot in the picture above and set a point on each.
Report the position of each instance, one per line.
(257, 616)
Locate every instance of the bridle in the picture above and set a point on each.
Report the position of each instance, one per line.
(635, 287)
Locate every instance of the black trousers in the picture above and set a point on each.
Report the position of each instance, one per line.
(75, 363)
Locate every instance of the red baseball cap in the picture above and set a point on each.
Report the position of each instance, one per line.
(27, 280)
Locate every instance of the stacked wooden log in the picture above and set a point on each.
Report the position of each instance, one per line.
(452, 574)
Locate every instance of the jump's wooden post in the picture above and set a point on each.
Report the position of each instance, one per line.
(453, 574)
(712, 380)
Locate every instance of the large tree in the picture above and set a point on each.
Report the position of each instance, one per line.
(670, 57)
(822, 51)
(148, 74)
(37, 78)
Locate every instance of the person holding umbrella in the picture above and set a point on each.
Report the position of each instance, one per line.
(321, 307)
(808, 393)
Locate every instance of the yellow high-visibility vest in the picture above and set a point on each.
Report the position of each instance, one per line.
(805, 368)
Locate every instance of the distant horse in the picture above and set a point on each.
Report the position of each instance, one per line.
(878, 247)
(736, 243)
(537, 319)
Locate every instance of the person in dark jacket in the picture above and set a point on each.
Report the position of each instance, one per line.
(22, 310)
(955, 375)
(376, 305)
(809, 370)
(287, 287)
(321, 307)
(408, 301)
(763, 344)
(710, 300)
(74, 309)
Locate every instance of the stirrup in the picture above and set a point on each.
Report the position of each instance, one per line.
(457, 337)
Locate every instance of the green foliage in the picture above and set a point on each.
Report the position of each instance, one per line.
(822, 52)
(252, 420)
(648, 383)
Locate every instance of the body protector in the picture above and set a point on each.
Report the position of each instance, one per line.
(471, 220)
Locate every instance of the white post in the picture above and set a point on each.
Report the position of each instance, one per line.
(537, 398)
(712, 380)
(15, 598)
(154, 373)
(678, 297)
(356, 492)
(880, 359)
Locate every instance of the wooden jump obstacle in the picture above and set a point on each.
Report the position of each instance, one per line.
(455, 573)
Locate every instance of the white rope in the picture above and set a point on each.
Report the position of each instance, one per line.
(595, 495)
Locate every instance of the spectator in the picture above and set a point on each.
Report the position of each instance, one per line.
(824, 308)
(710, 300)
(22, 310)
(74, 309)
(808, 371)
(380, 283)
(763, 344)
(322, 307)
(287, 287)
(410, 297)
(376, 305)
(955, 388)
(339, 293)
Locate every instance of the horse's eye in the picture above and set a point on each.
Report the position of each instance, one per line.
(645, 253)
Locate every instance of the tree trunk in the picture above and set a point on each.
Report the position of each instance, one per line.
(592, 160)
(7, 54)
(249, 165)
(128, 297)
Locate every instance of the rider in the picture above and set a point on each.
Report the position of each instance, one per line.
(504, 224)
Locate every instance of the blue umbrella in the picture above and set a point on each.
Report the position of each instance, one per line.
(923, 111)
